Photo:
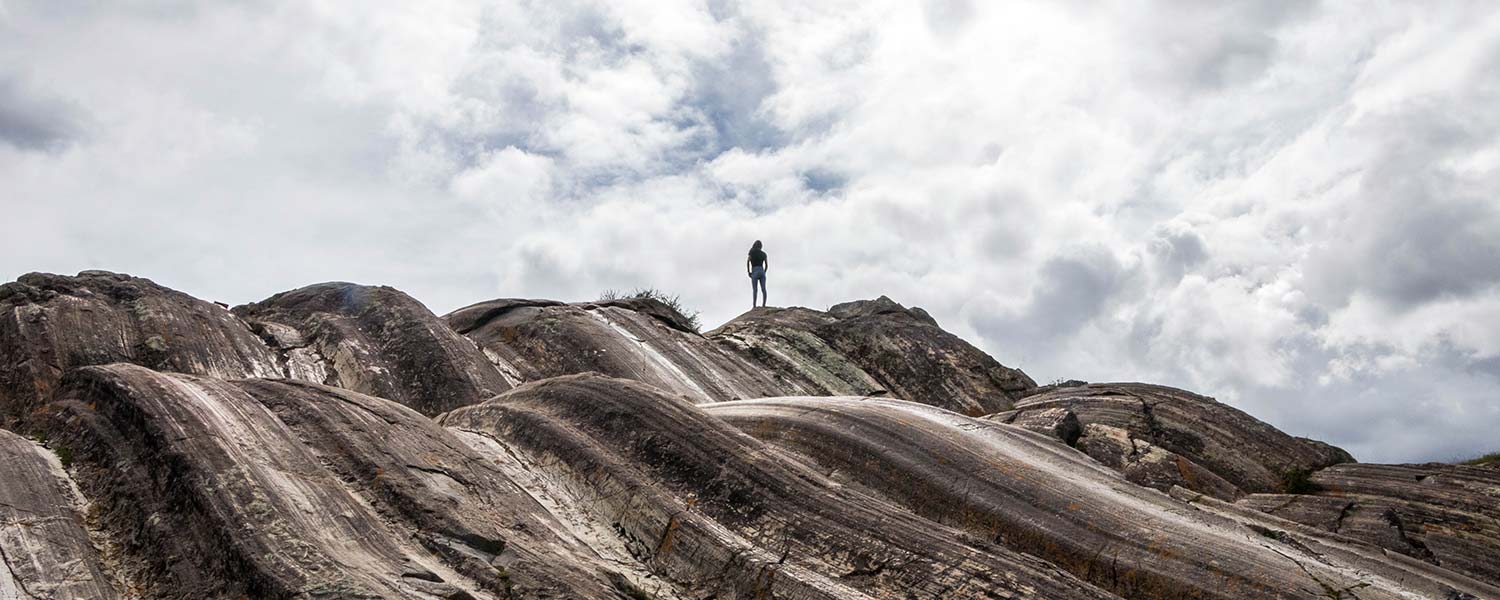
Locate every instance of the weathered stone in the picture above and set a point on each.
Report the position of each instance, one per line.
(873, 347)
(267, 489)
(51, 323)
(374, 340)
(45, 551)
(1197, 436)
(724, 515)
(1447, 515)
(1039, 497)
(197, 481)
(637, 339)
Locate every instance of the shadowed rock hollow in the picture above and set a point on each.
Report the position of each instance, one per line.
(289, 449)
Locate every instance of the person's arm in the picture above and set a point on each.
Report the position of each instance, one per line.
(747, 265)
(767, 266)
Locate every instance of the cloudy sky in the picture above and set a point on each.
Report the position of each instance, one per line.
(1290, 206)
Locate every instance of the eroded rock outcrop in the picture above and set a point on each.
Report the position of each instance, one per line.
(45, 551)
(1447, 515)
(1034, 495)
(723, 515)
(1160, 437)
(873, 347)
(196, 452)
(288, 489)
(51, 323)
(373, 340)
(639, 338)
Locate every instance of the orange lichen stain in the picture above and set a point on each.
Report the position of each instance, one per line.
(1075, 506)
(668, 538)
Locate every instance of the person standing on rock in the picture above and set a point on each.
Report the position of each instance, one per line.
(756, 266)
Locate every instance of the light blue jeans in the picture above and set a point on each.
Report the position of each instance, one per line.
(758, 276)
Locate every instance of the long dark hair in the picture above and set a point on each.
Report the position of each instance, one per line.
(755, 246)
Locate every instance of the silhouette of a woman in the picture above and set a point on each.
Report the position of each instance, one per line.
(756, 265)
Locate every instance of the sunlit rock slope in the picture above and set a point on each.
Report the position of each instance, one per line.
(341, 441)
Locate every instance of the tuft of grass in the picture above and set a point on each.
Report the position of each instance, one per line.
(1492, 457)
(1298, 481)
(673, 301)
(64, 455)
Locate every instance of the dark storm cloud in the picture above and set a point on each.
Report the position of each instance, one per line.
(1422, 232)
(1072, 289)
(728, 94)
(1177, 250)
(32, 121)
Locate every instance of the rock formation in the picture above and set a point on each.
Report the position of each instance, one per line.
(342, 441)
(1447, 515)
(374, 340)
(873, 347)
(1162, 437)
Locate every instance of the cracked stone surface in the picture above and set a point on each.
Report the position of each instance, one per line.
(1162, 437)
(1447, 515)
(374, 340)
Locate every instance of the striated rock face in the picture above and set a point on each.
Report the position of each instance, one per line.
(1160, 437)
(289, 449)
(374, 340)
(1446, 515)
(51, 323)
(640, 339)
(874, 347)
(45, 550)
(279, 489)
(722, 515)
(1033, 495)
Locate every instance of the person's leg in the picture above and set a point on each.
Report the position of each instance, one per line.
(752, 291)
(763, 289)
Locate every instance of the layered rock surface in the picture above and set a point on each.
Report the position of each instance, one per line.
(1447, 515)
(1161, 437)
(374, 340)
(287, 450)
(873, 347)
(52, 323)
(45, 549)
(725, 516)
(1032, 494)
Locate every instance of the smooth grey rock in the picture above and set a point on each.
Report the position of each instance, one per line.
(45, 550)
(374, 340)
(1036, 496)
(724, 515)
(51, 323)
(290, 489)
(637, 339)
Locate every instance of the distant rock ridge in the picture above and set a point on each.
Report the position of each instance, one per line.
(340, 440)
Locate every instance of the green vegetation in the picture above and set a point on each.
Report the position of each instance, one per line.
(1482, 460)
(64, 455)
(1298, 481)
(673, 301)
